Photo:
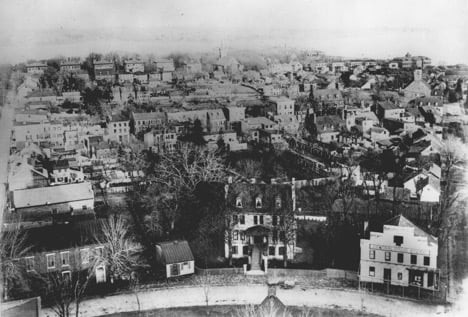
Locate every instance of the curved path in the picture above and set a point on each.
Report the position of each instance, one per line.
(254, 294)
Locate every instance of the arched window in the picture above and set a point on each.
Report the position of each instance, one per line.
(239, 202)
(258, 202)
(278, 202)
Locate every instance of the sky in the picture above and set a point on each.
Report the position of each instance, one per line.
(353, 28)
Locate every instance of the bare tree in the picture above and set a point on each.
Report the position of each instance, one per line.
(288, 228)
(64, 290)
(12, 248)
(118, 256)
(249, 168)
(205, 280)
(178, 174)
(453, 153)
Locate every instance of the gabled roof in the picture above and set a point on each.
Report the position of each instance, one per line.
(176, 252)
(401, 221)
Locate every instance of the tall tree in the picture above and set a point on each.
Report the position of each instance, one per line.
(13, 248)
(119, 255)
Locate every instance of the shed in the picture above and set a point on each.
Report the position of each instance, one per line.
(176, 257)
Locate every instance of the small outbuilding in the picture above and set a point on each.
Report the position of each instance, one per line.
(176, 257)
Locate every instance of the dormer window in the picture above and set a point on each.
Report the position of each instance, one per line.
(239, 202)
(258, 202)
(278, 202)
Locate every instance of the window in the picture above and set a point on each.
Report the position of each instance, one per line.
(281, 250)
(235, 219)
(271, 251)
(281, 219)
(258, 202)
(400, 276)
(84, 207)
(238, 202)
(242, 219)
(371, 254)
(282, 236)
(50, 261)
(388, 256)
(84, 255)
(275, 235)
(65, 256)
(245, 250)
(30, 264)
(275, 220)
(99, 251)
(427, 260)
(242, 235)
(261, 220)
(255, 220)
(278, 202)
(234, 249)
(235, 235)
(398, 240)
(371, 271)
(400, 257)
(414, 259)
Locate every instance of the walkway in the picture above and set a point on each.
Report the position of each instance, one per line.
(254, 294)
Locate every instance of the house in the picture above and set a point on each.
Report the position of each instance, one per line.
(192, 67)
(388, 109)
(378, 133)
(176, 257)
(164, 65)
(328, 97)
(118, 129)
(328, 128)
(61, 173)
(227, 65)
(72, 96)
(229, 138)
(417, 88)
(70, 65)
(258, 123)
(147, 120)
(282, 105)
(402, 255)
(66, 249)
(36, 68)
(263, 225)
(23, 174)
(288, 123)
(430, 193)
(161, 140)
(104, 70)
(134, 66)
(234, 114)
(75, 198)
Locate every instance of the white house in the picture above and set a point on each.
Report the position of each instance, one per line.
(177, 258)
(401, 255)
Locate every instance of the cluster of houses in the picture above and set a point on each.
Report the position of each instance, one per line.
(61, 163)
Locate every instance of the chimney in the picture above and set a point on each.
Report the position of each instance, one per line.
(293, 193)
(229, 179)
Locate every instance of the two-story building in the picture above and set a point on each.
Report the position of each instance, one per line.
(161, 140)
(282, 105)
(401, 255)
(134, 66)
(263, 225)
(118, 129)
(36, 68)
(148, 120)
